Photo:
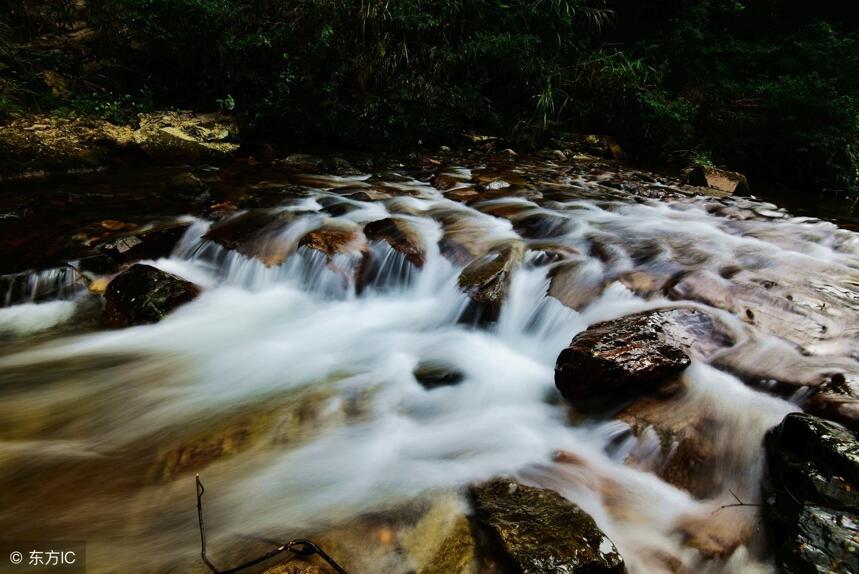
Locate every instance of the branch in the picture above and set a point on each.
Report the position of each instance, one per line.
(298, 546)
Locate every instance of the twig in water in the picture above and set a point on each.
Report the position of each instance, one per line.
(299, 546)
(738, 503)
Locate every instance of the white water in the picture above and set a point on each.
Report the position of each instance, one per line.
(258, 335)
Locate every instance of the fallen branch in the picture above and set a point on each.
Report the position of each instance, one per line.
(736, 504)
(299, 546)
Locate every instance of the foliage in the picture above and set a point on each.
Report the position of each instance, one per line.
(765, 86)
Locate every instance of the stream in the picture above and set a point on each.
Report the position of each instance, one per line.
(291, 383)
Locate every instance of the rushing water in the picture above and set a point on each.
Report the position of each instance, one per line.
(299, 387)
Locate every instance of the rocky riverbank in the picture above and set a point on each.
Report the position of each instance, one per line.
(361, 318)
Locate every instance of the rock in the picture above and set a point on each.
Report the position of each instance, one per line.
(811, 490)
(442, 542)
(300, 162)
(401, 236)
(150, 243)
(724, 182)
(717, 534)
(676, 443)
(185, 136)
(574, 284)
(486, 279)
(537, 531)
(631, 354)
(339, 166)
(59, 146)
(188, 186)
(446, 181)
(255, 233)
(335, 238)
(144, 294)
(432, 374)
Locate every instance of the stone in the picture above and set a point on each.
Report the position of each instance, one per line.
(572, 284)
(401, 236)
(144, 294)
(626, 355)
(431, 374)
(185, 136)
(147, 243)
(811, 493)
(334, 239)
(255, 233)
(537, 531)
(676, 441)
(486, 279)
(724, 182)
(188, 186)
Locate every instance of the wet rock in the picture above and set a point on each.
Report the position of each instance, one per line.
(676, 443)
(717, 534)
(721, 181)
(811, 490)
(147, 243)
(255, 233)
(282, 422)
(144, 294)
(446, 181)
(442, 542)
(401, 236)
(626, 355)
(486, 279)
(641, 283)
(335, 238)
(431, 374)
(185, 136)
(537, 531)
(575, 284)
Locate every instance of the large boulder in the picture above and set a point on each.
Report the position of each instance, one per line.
(537, 531)
(811, 491)
(144, 294)
(633, 353)
(185, 136)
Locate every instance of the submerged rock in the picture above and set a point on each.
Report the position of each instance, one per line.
(630, 354)
(537, 531)
(811, 491)
(185, 136)
(431, 374)
(401, 236)
(144, 294)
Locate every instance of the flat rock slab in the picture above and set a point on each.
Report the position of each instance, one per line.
(537, 531)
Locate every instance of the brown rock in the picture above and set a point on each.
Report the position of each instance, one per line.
(400, 236)
(630, 354)
(144, 294)
(537, 531)
(724, 182)
(486, 279)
